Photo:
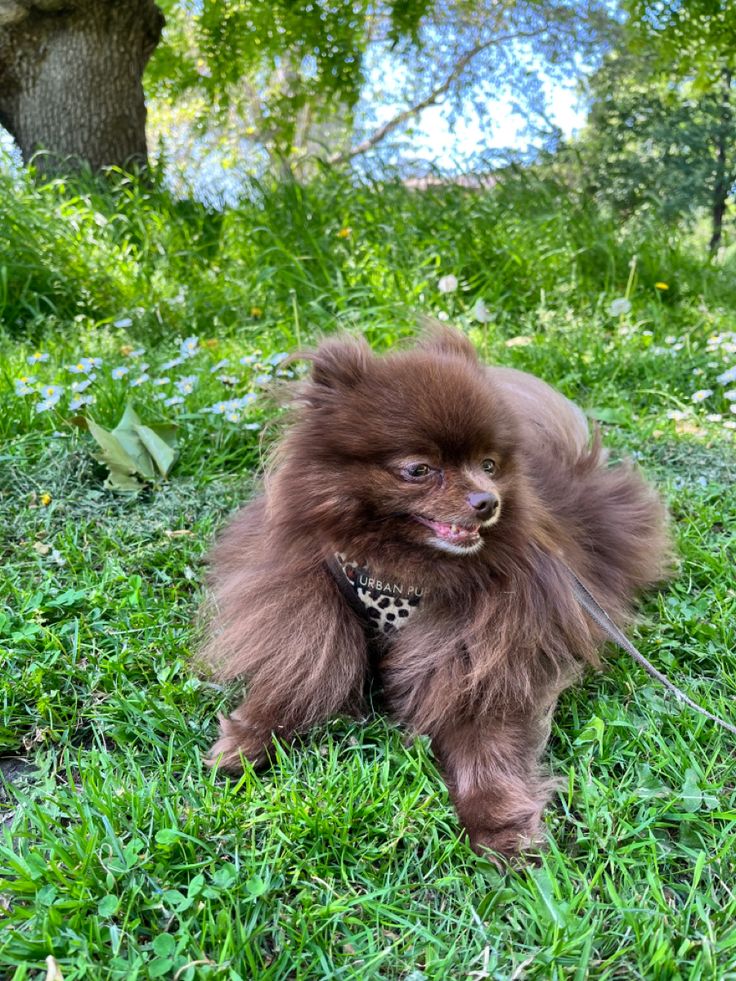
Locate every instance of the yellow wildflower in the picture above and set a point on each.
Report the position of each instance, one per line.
(256, 312)
(345, 232)
(211, 343)
(126, 349)
(45, 499)
(661, 286)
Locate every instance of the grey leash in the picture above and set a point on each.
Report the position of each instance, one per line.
(597, 613)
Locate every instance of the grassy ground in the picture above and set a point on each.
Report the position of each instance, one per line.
(122, 857)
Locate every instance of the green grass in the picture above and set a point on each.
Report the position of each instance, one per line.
(122, 856)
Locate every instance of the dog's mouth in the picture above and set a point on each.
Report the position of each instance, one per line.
(459, 535)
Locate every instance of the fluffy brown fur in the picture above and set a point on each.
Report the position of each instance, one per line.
(499, 634)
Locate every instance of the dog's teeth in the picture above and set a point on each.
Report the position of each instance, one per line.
(454, 529)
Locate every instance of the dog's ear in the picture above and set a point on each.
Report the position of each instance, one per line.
(339, 362)
(441, 339)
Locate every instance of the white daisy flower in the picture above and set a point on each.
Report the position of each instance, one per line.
(161, 381)
(677, 415)
(123, 322)
(728, 376)
(701, 395)
(276, 359)
(714, 417)
(252, 425)
(36, 358)
(46, 404)
(140, 380)
(447, 284)
(119, 372)
(23, 385)
(262, 379)
(82, 400)
(730, 395)
(189, 347)
(82, 385)
(220, 364)
(174, 363)
(186, 385)
(231, 405)
(729, 424)
(248, 359)
(174, 400)
(51, 392)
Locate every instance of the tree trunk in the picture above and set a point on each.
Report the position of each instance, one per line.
(71, 80)
(721, 184)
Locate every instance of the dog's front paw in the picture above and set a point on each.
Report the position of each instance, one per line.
(238, 743)
(523, 834)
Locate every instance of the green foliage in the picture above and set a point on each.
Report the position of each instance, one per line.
(661, 130)
(653, 141)
(694, 38)
(124, 858)
(133, 452)
(280, 57)
(287, 77)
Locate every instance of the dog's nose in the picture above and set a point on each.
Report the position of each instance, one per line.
(484, 503)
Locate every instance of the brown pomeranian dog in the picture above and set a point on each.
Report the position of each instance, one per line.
(416, 528)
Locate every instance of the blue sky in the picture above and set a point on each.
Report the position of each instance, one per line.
(483, 119)
(450, 146)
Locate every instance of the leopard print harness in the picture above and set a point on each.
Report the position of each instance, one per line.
(383, 605)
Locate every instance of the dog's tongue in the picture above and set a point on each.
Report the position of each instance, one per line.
(457, 534)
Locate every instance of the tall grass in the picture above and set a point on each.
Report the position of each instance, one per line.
(97, 254)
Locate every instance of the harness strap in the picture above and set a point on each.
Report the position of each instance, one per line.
(346, 588)
(596, 612)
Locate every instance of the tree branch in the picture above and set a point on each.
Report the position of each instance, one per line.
(388, 127)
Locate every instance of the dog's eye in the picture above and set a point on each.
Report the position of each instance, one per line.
(415, 470)
(489, 466)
